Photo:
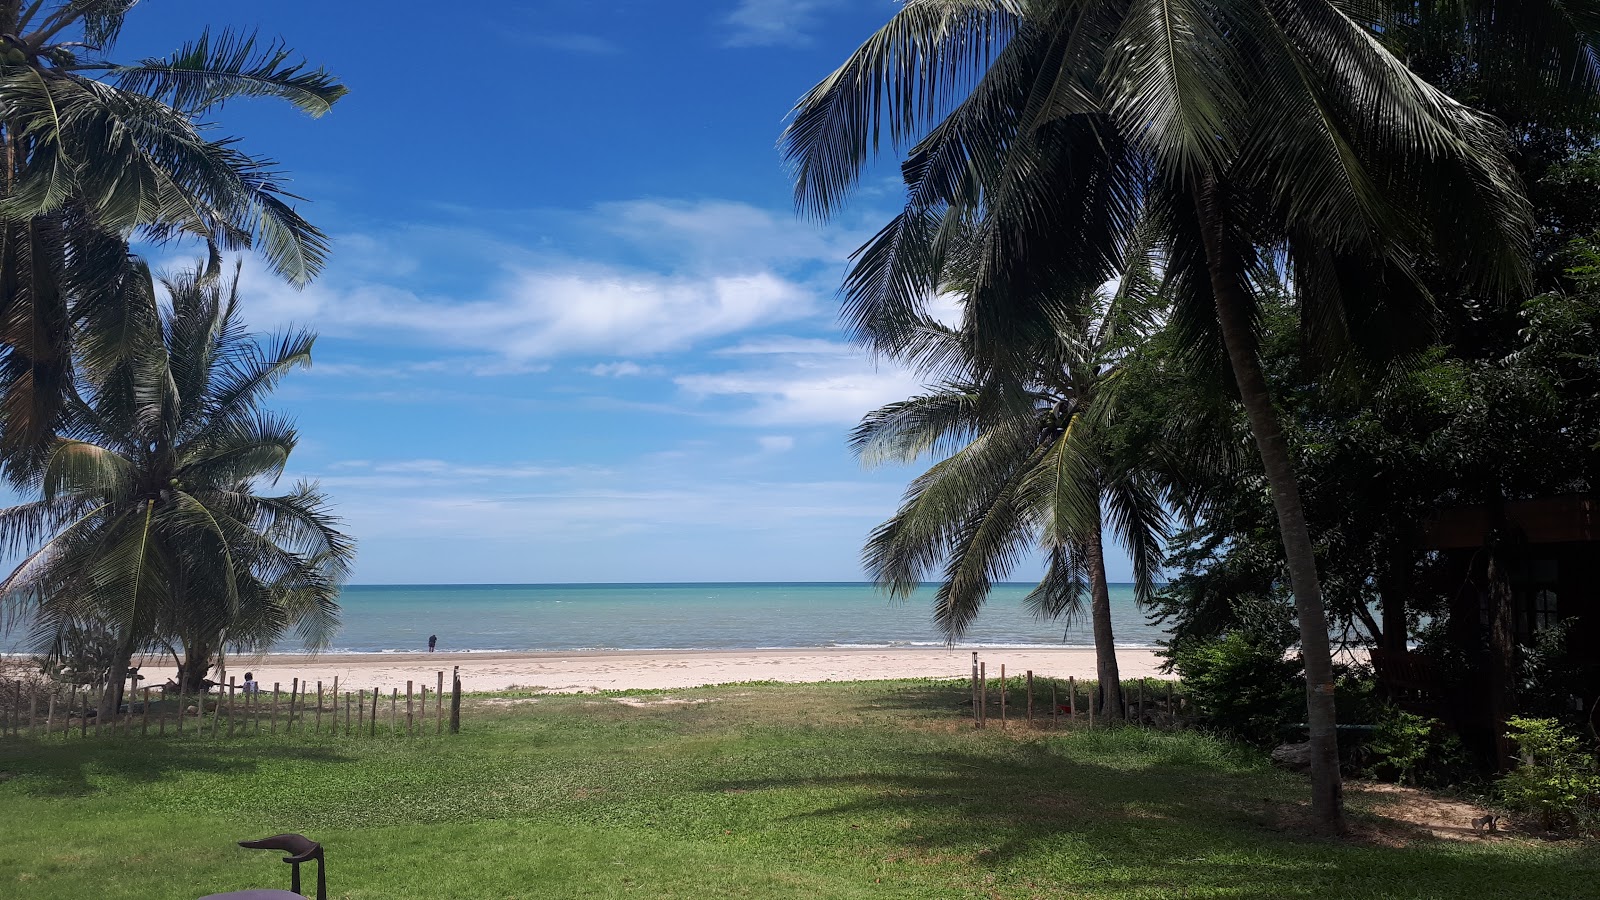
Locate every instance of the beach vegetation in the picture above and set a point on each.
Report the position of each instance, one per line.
(876, 790)
(1244, 684)
(1253, 134)
(1030, 462)
(151, 523)
(99, 151)
(1556, 778)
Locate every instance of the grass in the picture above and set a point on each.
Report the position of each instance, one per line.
(842, 790)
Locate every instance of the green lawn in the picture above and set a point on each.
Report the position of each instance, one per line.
(843, 790)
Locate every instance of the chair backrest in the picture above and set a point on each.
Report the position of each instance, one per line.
(300, 849)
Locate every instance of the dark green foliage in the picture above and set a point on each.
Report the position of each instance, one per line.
(1243, 684)
(1554, 684)
(151, 520)
(1412, 749)
(1556, 779)
(98, 152)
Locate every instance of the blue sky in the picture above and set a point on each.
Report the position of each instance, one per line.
(572, 329)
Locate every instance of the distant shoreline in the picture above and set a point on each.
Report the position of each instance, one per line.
(572, 671)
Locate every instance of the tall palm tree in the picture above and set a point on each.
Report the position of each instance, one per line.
(96, 152)
(151, 521)
(1245, 129)
(1033, 462)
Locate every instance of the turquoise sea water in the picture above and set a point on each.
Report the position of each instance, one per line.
(380, 618)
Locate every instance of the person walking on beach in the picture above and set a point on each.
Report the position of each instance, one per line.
(433, 641)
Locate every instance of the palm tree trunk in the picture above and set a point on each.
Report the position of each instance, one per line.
(111, 696)
(1109, 695)
(1226, 269)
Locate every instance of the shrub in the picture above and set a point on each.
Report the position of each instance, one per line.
(1412, 749)
(1242, 684)
(1556, 780)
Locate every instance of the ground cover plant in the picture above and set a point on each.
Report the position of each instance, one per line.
(842, 790)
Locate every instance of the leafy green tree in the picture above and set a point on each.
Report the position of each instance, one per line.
(1032, 462)
(96, 152)
(1247, 129)
(151, 521)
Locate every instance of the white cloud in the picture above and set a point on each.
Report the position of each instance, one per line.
(776, 443)
(806, 383)
(722, 232)
(767, 23)
(622, 369)
(694, 272)
(539, 314)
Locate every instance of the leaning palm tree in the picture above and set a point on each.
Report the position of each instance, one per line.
(1033, 462)
(1245, 129)
(151, 521)
(97, 152)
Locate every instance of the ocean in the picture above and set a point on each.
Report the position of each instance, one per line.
(389, 618)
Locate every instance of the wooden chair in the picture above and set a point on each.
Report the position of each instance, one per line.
(300, 849)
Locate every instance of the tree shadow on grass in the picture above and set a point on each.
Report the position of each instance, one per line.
(1030, 815)
(53, 768)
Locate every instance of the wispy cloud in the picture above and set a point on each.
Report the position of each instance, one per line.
(803, 382)
(768, 23)
(776, 443)
(639, 278)
(622, 369)
(534, 314)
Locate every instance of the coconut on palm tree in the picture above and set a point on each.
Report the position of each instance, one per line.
(1034, 462)
(96, 152)
(1242, 129)
(153, 521)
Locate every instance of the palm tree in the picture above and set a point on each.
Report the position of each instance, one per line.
(1245, 130)
(1034, 462)
(150, 521)
(96, 152)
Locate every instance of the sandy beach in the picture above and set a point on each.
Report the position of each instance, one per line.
(569, 672)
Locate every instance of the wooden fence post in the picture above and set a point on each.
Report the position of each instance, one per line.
(144, 725)
(50, 714)
(455, 701)
(361, 702)
(975, 717)
(183, 705)
(273, 727)
(983, 694)
(372, 729)
(1141, 701)
(216, 713)
(410, 710)
(162, 723)
(422, 709)
(33, 709)
(233, 688)
(438, 706)
(346, 715)
(394, 711)
(1055, 707)
(1072, 700)
(1002, 696)
(294, 695)
(319, 706)
(1030, 698)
